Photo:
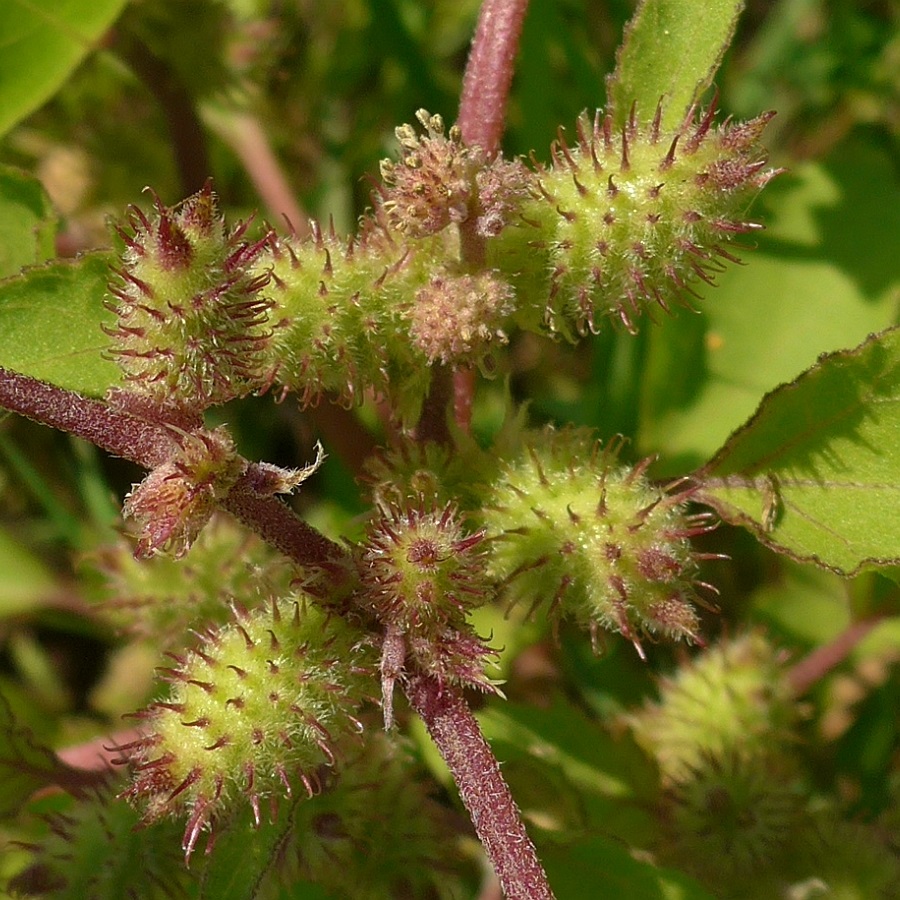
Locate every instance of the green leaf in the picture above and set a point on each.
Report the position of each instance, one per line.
(823, 278)
(816, 472)
(808, 606)
(41, 43)
(27, 222)
(50, 325)
(671, 51)
(569, 774)
(244, 865)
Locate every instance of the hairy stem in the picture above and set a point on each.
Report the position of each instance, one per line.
(432, 424)
(464, 382)
(449, 720)
(481, 786)
(146, 443)
(482, 117)
(278, 525)
(150, 444)
(489, 72)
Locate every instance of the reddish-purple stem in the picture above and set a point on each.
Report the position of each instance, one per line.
(484, 793)
(119, 433)
(814, 667)
(489, 72)
(279, 526)
(463, 397)
(453, 728)
(179, 108)
(149, 444)
(432, 425)
(482, 118)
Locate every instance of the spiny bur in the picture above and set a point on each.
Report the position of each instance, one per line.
(730, 819)
(192, 328)
(732, 702)
(572, 526)
(160, 599)
(336, 307)
(722, 735)
(421, 572)
(625, 221)
(254, 711)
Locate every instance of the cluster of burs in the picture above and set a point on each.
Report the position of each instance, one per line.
(622, 221)
(460, 251)
(737, 810)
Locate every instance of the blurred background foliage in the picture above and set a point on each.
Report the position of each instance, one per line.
(182, 89)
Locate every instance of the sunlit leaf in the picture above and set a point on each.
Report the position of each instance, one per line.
(50, 320)
(27, 222)
(569, 771)
(816, 472)
(41, 42)
(823, 278)
(671, 52)
(597, 866)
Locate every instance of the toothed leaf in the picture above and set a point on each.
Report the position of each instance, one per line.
(815, 473)
(823, 277)
(27, 222)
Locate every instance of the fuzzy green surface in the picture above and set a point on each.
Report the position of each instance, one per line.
(339, 320)
(276, 687)
(613, 233)
(574, 525)
(732, 701)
